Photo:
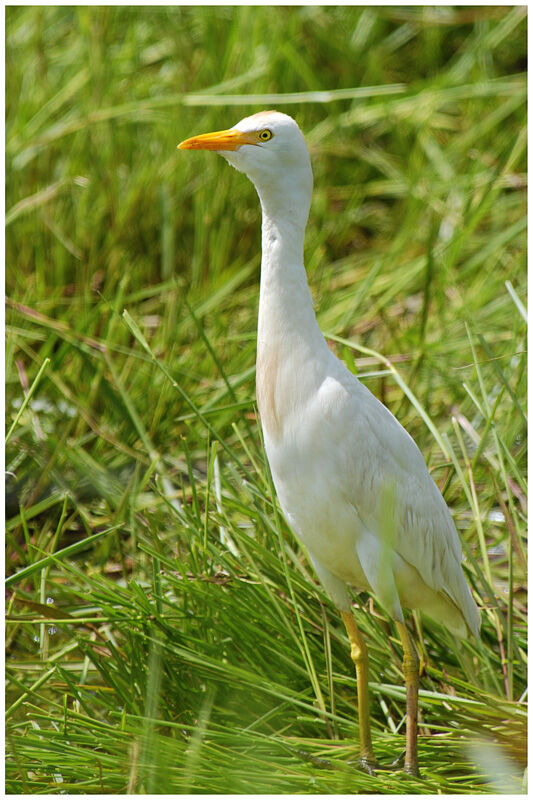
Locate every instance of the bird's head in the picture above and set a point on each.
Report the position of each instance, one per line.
(269, 148)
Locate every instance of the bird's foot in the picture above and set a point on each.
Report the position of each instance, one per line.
(409, 769)
(321, 763)
(368, 764)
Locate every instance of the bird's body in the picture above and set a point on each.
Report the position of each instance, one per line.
(331, 493)
(350, 480)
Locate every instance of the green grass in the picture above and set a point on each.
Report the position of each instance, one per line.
(166, 633)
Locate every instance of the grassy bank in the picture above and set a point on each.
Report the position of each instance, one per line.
(166, 633)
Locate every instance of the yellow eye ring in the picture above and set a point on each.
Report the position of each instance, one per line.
(265, 135)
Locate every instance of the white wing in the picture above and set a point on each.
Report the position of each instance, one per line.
(379, 453)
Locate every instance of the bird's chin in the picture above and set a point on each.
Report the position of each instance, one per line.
(232, 158)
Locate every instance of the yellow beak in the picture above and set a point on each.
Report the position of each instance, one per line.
(231, 139)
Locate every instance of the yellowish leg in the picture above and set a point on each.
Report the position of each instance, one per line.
(411, 665)
(360, 659)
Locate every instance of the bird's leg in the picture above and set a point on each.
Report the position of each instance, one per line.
(411, 666)
(359, 655)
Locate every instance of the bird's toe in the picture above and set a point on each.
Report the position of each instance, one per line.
(368, 765)
(412, 770)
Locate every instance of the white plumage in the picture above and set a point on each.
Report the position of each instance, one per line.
(351, 481)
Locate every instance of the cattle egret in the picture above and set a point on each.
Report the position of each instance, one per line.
(350, 480)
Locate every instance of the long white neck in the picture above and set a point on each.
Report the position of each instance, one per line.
(285, 302)
(289, 341)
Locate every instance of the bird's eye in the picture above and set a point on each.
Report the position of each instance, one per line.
(265, 135)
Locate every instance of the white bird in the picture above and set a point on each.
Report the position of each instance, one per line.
(350, 480)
